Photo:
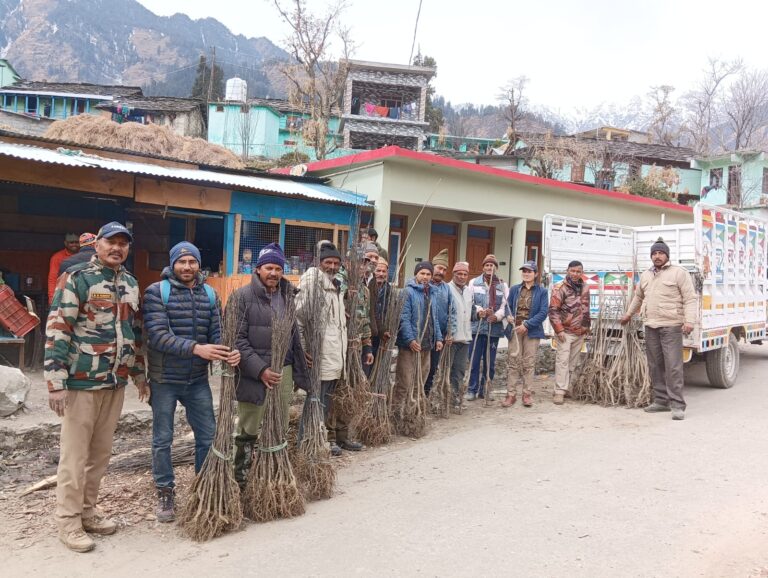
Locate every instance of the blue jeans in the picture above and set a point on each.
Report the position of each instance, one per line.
(198, 403)
(480, 357)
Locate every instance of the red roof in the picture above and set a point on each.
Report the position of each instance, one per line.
(397, 152)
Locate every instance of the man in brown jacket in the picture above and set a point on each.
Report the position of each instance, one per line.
(668, 302)
(569, 316)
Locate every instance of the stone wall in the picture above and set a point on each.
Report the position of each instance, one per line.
(24, 124)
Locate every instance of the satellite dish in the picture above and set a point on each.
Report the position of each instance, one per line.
(299, 170)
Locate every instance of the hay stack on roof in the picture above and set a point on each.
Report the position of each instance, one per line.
(152, 139)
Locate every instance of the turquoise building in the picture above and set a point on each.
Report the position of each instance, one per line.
(739, 179)
(268, 128)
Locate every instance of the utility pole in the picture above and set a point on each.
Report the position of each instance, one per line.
(210, 78)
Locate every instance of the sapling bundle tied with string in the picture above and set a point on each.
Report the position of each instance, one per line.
(314, 470)
(410, 417)
(271, 489)
(352, 391)
(615, 372)
(375, 425)
(440, 395)
(213, 506)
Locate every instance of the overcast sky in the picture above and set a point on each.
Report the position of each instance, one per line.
(575, 53)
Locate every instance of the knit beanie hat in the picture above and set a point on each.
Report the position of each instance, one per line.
(87, 239)
(370, 248)
(441, 258)
(491, 259)
(423, 265)
(183, 249)
(461, 266)
(329, 251)
(660, 245)
(272, 254)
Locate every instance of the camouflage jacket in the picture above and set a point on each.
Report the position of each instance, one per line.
(93, 333)
(569, 308)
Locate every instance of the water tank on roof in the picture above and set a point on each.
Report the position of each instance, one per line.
(237, 89)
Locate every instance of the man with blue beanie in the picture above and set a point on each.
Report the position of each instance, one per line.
(182, 321)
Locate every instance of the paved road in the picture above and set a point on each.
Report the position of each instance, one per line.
(554, 491)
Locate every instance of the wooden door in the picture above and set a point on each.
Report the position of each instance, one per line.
(444, 236)
(479, 244)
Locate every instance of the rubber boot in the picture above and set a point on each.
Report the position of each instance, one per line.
(244, 445)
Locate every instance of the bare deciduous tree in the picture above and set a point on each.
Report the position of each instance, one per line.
(316, 77)
(663, 128)
(512, 98)
(701, 104)
(746, 108)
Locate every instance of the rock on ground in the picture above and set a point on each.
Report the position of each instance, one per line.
(14, 388)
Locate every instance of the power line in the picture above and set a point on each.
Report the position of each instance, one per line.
(415, 28)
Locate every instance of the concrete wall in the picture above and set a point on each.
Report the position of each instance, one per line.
(25, 124)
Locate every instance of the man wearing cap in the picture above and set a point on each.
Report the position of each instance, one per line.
(86, 252)
(373, 237)
(93, 345)
(462, 299)
(446, 314)
(333, 351)
(668, 301)
(381, 290)
(490, 301)
(71, 247)
(418, 335)
(182, 323)
(570, 318)
(528, 307)
(258, 301)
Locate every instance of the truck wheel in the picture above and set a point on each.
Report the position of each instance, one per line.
(723, 364)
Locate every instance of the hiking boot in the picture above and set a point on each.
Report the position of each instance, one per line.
(77, 540)
(527, 399)
(335, 450)
(558, 398)
(678, 413)
(351, 446)
(98, 524)
(509, 401)
(470, 396)
(165, 512)
(656, 408)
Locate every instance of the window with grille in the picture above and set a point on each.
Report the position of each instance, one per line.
(715, 177)
(300, 243)
(254, 236)
(734, 185)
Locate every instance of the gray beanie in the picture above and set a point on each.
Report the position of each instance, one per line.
(660, 245)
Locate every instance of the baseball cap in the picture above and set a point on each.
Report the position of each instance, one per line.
(531, 265)
(114, 228)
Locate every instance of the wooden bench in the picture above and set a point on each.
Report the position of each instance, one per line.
(20, 341)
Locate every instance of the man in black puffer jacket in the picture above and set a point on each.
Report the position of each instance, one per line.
(266, 293)
(182, 322)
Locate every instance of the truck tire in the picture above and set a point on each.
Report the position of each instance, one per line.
(723, 364)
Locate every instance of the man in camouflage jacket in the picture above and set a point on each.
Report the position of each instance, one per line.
(93, 345)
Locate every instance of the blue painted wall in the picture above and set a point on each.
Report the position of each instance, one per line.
(263, 208)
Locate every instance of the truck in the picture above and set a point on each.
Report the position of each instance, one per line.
(723, 250)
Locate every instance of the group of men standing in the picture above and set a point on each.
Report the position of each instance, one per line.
(96, 340)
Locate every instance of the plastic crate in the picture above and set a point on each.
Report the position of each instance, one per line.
(13, 316)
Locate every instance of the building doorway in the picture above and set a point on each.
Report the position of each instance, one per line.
(444, 235)
(398, 230)
(479, 244)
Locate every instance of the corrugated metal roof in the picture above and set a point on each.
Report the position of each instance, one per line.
(75, 158)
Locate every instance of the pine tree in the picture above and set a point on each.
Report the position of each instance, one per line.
(203, 78)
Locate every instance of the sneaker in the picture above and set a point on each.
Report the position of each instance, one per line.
(98, 524)
(527, 399)
(165, 512)
(509, 401)
(678, 413)
(335, 450)
(351, 446)
(558, 398)
(656, 408)
(470, 396)
(77, 540)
